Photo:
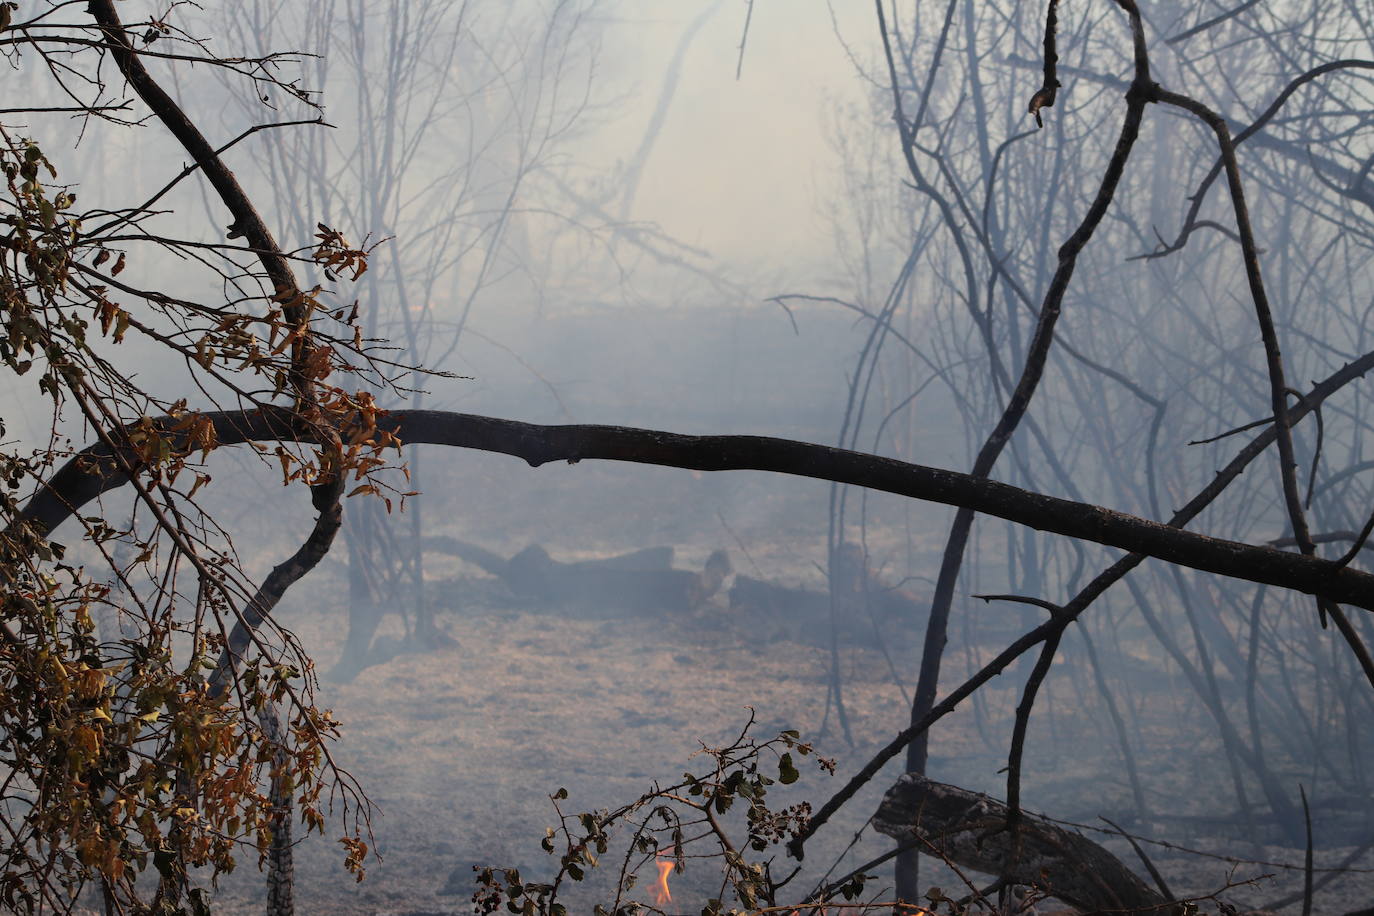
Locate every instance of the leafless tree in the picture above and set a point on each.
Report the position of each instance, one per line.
(122, 757)
(1153, 350)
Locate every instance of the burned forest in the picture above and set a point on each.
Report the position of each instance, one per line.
(666, 457)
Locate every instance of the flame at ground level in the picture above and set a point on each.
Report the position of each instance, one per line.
(661, 893)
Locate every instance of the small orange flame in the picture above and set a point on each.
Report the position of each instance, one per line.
(661, 893)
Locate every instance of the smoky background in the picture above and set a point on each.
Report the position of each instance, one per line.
(644, 214)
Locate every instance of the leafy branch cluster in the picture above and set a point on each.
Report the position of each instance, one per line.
(719, 815)
(135, 702)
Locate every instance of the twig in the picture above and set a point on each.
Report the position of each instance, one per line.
(744, 38)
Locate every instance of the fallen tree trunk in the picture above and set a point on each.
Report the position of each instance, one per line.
(870, 610)
(969, 829)
(642, 580)
(647, 558)
(772, 600)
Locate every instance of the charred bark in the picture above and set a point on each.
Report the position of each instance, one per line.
(642, 580)
(92, 472)
(971, 830)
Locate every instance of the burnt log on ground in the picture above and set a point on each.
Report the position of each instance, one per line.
(647, 558)
(639, 581)
(857, 588)
(869, 609)
(772, 600)
(969, 829)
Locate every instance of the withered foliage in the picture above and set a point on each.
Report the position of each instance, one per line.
(136, 690)
(719, 817)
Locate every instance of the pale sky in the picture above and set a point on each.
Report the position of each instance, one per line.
(740, 167)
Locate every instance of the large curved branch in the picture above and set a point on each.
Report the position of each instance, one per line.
(92, 473)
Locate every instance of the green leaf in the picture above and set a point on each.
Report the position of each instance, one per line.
(787, 771)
